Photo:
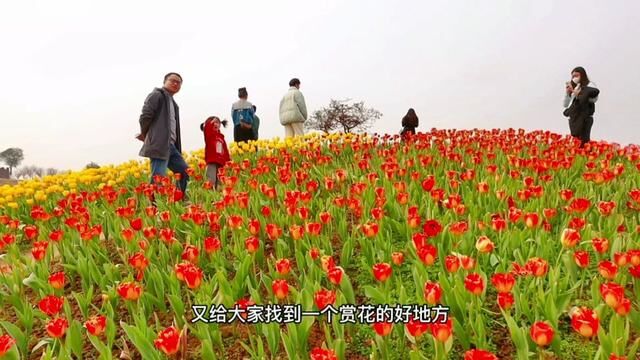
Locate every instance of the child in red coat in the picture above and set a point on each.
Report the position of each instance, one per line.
(216, 153)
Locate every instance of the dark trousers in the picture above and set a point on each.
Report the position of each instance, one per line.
(241, 134)
(581, 128)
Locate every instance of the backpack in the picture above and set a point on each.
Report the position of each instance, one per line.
(243, 115)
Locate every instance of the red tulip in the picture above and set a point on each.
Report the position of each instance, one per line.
(190, 253)
(616, 357)
(313, 228)
(136, 224)
(505, 300)
(325, 217)
(296, 232)
(56, 328)
(39, 250)
(549, 213)
(280, 289)
(335, 275)
(537, 267)
(138, 261)
(584, 321)
(581, 258)
(416, 328)
(570, 238)
(541, 333)
(327, 263)
(382, 271)
(432, 228)
(383, 328)
(96, 325)
(283, 266)
(478, 354)
(600, 245)
(612, 294)
(212, 244)
(324, 297)
(370, 230)
(503, 282)
(127, 234)
(129, 291)
(51, 305)
(624, 307)
(252, 244)
(442, 332)
(428, 254)
(531, 220)
(451, 263)
(273, 231)
(254, 227)
(150, 232)
(314, 253)
(474, 284)
(397, 258)
(607, 269)
(484, 244)
(168, 341)
(323, 354)
(377, 213)
(56, 235)
(6, 343)
(432, 292)
(189, 273)
(31, 232)
(634, 257)
(498, 224)
(467, 262)
(57, 280)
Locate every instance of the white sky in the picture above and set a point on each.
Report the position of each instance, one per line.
(75, 73)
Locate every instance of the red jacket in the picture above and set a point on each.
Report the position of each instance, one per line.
(215, 151)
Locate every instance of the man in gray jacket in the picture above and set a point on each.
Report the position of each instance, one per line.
(160, 131)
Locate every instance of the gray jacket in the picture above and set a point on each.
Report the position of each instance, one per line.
(154, 125)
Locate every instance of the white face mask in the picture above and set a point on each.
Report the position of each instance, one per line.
(576, 80)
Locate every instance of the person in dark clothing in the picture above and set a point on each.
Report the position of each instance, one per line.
(581, 96)
(160, 131)
(409, 123)
(242, 114)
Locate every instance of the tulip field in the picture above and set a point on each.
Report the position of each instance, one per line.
(451, 244)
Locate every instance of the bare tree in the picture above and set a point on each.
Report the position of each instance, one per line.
(29, 172)
(341, 115)
(92, 165)
(51, 171)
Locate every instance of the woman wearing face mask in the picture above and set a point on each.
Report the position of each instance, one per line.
(579, 102)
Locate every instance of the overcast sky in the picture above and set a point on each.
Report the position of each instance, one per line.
(75, 73)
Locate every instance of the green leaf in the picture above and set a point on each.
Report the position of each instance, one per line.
(493, 260)
(347, 289)
(74, 337)
(207, 351)
(17, 334)
(374, 294)
(144, 346)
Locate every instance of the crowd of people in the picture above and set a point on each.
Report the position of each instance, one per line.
(160, 124)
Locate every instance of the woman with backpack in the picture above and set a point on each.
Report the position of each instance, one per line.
(242, 114)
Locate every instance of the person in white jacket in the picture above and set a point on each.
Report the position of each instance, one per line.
(293, 110)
